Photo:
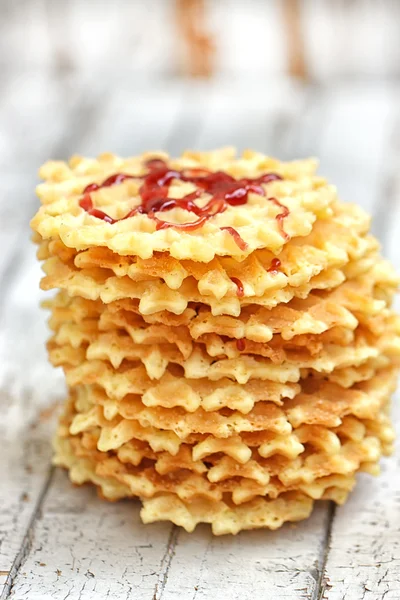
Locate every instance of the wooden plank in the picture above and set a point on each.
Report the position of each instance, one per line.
(363, 550)
(340, 38)
(27, 385)
(255, 564)
(33, 119)
(24, 472)
(134, 120)
(12, 220)
(386, 215)
(83, 547)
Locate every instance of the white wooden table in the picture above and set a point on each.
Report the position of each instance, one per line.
(61, 542)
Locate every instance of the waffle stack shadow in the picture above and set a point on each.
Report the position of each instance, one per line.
(230, 372)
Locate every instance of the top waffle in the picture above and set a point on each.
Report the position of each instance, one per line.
(196, 207)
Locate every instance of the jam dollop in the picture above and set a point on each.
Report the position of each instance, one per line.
(241, 344)
(224, 190)
(239, 286)
(274, 266)
(236, 236)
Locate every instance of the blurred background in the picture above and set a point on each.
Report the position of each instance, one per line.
(317, 39)
(287, 77)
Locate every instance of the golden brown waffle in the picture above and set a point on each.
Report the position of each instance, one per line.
(225, 479)
(224, 518)
(295, 321)
(133, 368)
(272, 514)
(302, 323)
(319, 403)
(214, 356)
(137, 469)
(307, 197)
(95, 413)
(329, 245)
(155, 296)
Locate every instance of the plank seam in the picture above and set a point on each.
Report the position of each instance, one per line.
(27, 539)
(322, 582)
(166, 562)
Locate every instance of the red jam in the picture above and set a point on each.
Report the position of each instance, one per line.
(274, 266)
(224, 190)
(236, 236)
(239, 285)
(280, 218)
(241, 344)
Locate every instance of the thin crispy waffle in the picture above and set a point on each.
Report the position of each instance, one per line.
(319, 404)
(241, 482)
(191, 395)
(321, 452)
(326, 475)
(175, 344)
(311, 316)
(316, 314)
(280, 473)
(116, 345)
(300, 321)
(306, 196)
(294, 506)
(92, 411)
(222, 517)
(118, 365)
(155, 296)
(331, 244)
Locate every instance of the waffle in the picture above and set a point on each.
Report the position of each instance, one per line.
(329, 245)
(304, 194)
(272, 514)
(306, 453)
(302, 323)
(156, 296)
(363, 301)
(226, 333)
(175, 346)
(134, 370)
(241, 483)
(138, 469)
(316, 404)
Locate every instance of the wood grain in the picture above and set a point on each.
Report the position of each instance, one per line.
(363, 549)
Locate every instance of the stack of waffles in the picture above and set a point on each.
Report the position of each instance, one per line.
(225, 330)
